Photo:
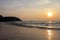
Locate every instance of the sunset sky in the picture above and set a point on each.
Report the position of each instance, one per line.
(36, 10)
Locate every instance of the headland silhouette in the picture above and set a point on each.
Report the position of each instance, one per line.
(8, 19)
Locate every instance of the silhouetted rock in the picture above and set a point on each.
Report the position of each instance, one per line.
(1, 18)
(8, 19)
(11, 19)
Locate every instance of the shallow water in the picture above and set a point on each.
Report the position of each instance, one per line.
(12, 32)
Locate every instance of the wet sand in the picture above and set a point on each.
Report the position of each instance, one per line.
(12, 32)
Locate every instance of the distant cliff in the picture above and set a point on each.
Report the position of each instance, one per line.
(7, 19)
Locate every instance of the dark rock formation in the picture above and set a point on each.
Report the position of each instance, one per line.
(8, 19)
(1, 18)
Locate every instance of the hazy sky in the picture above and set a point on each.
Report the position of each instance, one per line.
(30, 9)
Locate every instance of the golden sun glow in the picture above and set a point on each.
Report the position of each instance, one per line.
(50, 14)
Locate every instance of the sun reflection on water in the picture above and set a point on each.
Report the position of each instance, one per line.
(49, 34)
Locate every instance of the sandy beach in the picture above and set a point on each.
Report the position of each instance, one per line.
(12, 32)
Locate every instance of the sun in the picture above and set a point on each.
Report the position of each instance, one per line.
(49, 14)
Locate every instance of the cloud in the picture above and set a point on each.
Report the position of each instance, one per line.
(41, 2)
(45, 1)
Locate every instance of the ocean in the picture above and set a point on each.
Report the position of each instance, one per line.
(30, 31)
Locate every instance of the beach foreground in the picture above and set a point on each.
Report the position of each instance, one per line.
(12, 32)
